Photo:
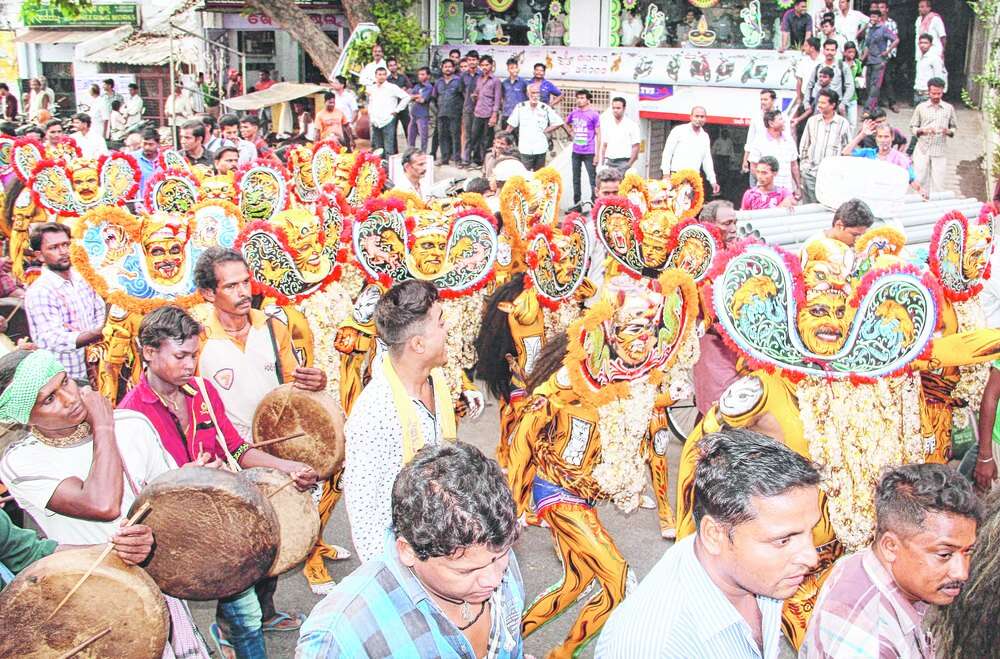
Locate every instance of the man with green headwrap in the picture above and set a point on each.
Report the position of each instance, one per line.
(80, 467)
(82, 464)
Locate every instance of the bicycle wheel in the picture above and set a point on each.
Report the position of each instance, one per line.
(682, 417)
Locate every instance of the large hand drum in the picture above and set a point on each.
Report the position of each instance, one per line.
(215, 533)
(115, 597)
(298, 516)
(312, 423)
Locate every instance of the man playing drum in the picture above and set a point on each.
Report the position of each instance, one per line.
(246, 355)
(72, 473)
(170, 396)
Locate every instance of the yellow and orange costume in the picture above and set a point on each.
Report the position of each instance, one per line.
(832, 344)
(581, 437)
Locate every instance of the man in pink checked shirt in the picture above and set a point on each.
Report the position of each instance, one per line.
(64, 313)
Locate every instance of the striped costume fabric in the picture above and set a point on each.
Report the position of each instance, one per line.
(382, 610)
(677, 612)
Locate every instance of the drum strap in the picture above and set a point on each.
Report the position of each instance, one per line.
(277, 354)
(233, 464)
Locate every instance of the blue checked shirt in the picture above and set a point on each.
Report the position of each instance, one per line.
(382, 610)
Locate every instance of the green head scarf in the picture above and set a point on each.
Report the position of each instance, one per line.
(33, 373)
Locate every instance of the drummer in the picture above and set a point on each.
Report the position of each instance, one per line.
(82, 464)
(168, 394)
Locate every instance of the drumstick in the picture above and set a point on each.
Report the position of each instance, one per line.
(143, 509)
(17, 307)
(83, 645)
(290, 481)
(279, 439)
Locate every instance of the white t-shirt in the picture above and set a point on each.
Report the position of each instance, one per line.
(531, 138)
(620, 136)
(849, 25)
(32, 471)
(783, 150)
(92, 145)
(935, 28)
(929, 65)
(805, 67)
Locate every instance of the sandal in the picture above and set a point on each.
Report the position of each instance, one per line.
(224, 647)
(283, 622)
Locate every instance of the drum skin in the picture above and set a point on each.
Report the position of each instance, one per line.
(298, 516)
(115, 595)
(288, 410)
(214, 534)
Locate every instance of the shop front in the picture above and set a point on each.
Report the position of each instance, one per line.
(269, 48)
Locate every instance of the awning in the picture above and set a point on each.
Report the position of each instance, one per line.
(55, 36)
(280, 92)
(143, 49)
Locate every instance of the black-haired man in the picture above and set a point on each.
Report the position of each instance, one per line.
(874, 601)
(755, 504)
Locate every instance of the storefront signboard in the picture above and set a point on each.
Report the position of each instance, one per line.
(257, 22)
(726, 106)
(702, 67)
(48, 15)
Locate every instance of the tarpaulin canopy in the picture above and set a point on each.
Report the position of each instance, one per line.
(280, 92)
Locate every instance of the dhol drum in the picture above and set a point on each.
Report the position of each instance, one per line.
(312, 422)
(216, 534)
(298, 517)
(118, 609)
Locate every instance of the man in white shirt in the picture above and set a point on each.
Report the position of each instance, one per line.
(825, 135)
(178, 107)
(755, 503)
(757, 128)
(401, 394)
(91, 143)
(689, 147)
(820, 13)
(385, 101)
(619, 137)
(930, 22)
(535, 121)
(346, 100)
(929, 65)
(367, 76)
(83, 464)
(777, 143)
(803, 71)
(414, 163)
(849, 23)
(134, 106)
(229, 130)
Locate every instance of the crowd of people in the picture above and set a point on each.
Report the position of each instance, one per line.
(814, 499)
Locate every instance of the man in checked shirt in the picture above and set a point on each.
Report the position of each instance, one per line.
(64, 313)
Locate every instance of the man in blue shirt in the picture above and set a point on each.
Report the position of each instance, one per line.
(148, 158)
(546, 89)
(514, 91)
(879, 42)
(420, 112)
(449, 99)
(447, 584)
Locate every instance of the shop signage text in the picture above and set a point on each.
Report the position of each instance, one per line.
(91, 16)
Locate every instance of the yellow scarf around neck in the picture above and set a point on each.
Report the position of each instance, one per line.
(413, 436)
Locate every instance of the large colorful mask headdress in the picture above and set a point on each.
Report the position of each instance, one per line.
(262, 190)
(633, 332)
(811, 321)
(298, 252)
(27, 152)
(960, 251)
(141, 263)
(558, 258)
(456, 253)
(646, 244)
(81, 185)
(526, 201)
(682, 193)
(312, 168)
(359, 177)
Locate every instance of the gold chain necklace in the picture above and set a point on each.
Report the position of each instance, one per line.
(77, 437)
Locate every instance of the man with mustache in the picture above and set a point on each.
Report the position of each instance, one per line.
(245, 354)
(873, 603)
(755, 507)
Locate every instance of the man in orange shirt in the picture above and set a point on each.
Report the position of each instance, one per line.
(332, 123)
